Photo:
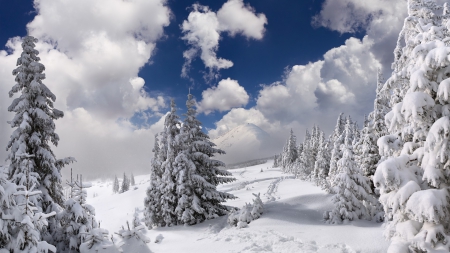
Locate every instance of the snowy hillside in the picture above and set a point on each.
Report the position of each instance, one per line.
(291, 222)
(240, 144)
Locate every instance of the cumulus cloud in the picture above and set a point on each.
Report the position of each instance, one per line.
(343, 81)
(203, 28)
(226, 95)
(315, 93)
(93, 52)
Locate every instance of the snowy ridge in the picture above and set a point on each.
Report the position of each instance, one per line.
(241, 142)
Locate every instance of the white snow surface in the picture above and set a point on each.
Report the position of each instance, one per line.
(291, 222)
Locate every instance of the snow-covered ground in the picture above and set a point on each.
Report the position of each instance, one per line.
(291, 222)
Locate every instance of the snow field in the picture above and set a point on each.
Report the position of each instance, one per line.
(291, 222)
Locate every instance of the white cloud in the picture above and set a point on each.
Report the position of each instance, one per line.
(294, 97)
(240, 116)
(226, 95)
(234, 17)
(203, 27)
(93, 52)
(315, 93)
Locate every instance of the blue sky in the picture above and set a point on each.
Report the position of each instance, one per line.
(294, 64)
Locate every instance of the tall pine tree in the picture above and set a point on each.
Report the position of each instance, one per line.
(198, 174)
(34, 131)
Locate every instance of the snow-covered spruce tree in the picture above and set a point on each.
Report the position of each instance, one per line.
(28, 221)
(152, 201)
(125, 183)
(414, 179)
(322, 164)
(132, 182)
(275, 161)
(76, 220)
(8, 208)
(290, 153)
(197, 173)
(304, 162)
(352, 189)
(116, 186)
(34, 130)
(168, 201)
(336, 140)
(240, 218)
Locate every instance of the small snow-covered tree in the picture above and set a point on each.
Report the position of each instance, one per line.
(336, 140)
(290, 153)
(352, 189)
(197, 174)
(240, 218)
(116, 185)
(152, 200)
(125, 183)
(35, 132)
(322, 164)
(97, 241)
(76, 220)
(132, 182)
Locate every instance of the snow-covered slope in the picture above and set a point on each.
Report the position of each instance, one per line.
(291, 222)
(243, 143)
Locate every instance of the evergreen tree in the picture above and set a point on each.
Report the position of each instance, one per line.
(125, 183)
(116, 186)
(77, 219)
(413, 179)
(290, 153)
(153, 195)
(7, 208)
(34, 130)
(28, 221)
(132, 182)
(197, 174)
(167, 183)
(352, 188)
(336, 140)
(322, 164)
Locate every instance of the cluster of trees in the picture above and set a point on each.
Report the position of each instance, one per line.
(126, 183)
(35, 216)
(342, 164)
(404, 144)
(184, 174)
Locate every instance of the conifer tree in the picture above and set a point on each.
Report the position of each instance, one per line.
(322, 164)
(125, 183)
(28, 221)
(8, 208)
(336, 140)
(153, 194)
(76, 220)
(132, 182)
(167, 185)
(290, 153)
(116, 186)
(34, 131)
(197, 173)
(413, 179)
(352, 188)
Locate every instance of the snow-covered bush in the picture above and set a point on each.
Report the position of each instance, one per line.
(240, 218)
(97, 241)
